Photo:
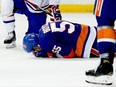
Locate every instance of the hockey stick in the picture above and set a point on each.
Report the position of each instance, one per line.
(32, 5)
(46, 11)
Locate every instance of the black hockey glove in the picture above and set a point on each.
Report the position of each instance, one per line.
(38, 52)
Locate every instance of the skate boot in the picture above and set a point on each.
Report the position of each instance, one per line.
(102, 75)
(10, 41)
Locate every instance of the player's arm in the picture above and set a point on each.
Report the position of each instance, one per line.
(46, 45)
(49, 43)
(54, 10)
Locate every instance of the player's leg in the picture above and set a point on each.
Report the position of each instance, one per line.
(10, 41)
(35, 21)
(7, 7)
(106, 42)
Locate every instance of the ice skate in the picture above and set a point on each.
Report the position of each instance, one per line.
(10, 41)
(102, 75)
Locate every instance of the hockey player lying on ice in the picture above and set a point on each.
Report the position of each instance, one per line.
(62, 39)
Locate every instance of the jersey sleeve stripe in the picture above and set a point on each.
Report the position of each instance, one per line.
(98, 8)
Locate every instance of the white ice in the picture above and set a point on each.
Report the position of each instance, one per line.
(21, 69)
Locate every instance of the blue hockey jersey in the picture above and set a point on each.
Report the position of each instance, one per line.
(105, 8)
(67, 39)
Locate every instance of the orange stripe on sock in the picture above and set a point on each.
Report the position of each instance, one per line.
(106, 33)
(81, 40)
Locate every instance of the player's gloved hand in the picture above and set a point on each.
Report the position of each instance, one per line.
(54, 9)
(38, 52)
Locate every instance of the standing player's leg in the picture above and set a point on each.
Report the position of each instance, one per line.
(106, 44)
(35, 21)
(7, 7)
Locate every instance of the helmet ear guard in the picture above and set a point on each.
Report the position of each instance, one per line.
(30, 41)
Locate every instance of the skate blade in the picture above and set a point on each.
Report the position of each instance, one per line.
(12, 45)
(103, 80)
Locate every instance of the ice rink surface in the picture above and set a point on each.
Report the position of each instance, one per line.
(20, 69)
